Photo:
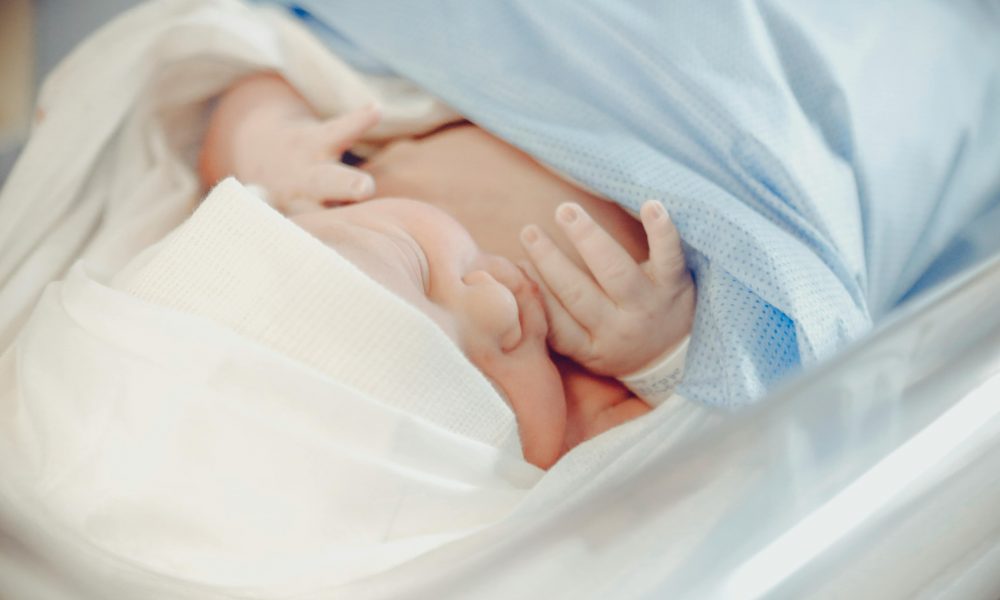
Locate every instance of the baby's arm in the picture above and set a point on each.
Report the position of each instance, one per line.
(264, 133)
(623, 318)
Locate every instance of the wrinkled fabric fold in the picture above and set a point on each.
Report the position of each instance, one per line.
(166, 439)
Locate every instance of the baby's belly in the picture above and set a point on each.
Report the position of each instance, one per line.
(493, 189)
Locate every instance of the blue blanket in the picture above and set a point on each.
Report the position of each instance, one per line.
(818, 157)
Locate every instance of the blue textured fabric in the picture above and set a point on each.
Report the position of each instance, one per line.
(817, 156)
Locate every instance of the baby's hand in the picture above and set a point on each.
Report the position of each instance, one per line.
(264, 133)
(624, 316)
(298, 160)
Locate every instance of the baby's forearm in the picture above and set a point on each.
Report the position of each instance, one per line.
(262, 97)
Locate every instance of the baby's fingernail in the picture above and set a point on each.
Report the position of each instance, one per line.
(529, 235)
(568, 213)
(656, 210)
(511, 338)
(364, 186)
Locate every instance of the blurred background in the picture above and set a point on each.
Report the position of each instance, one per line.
(34, 36)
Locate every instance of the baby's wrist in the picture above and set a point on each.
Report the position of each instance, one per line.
(655, 383)
(248, 118)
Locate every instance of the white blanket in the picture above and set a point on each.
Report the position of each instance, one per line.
(147, 437)
(195, 416)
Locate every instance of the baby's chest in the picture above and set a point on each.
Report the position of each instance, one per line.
(492, 188)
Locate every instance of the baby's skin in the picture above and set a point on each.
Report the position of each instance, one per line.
(583, 283)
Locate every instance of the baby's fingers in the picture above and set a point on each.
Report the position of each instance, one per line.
(565, 335)
(666, 257)
(328, 184)
(613, 268)
(340, 133)
(577, 292)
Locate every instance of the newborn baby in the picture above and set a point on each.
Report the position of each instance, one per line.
(589, 294)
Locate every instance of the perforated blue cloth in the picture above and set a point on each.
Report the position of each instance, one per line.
(817, 156)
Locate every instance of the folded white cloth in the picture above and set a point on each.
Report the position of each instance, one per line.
(206, 418)
(241, 264)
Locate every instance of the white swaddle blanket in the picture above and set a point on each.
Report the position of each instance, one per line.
(149, 428)
(174, 417)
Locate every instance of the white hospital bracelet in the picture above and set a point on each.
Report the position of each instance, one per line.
(656, 384)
